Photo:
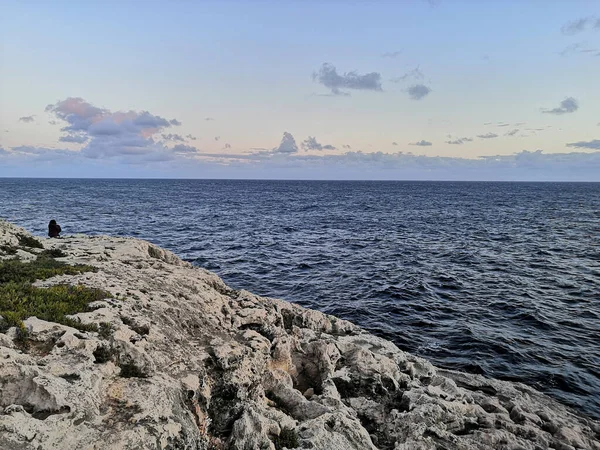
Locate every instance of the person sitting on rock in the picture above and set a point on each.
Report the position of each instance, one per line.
(54, 229)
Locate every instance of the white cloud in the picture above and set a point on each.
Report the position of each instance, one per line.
(414, 74)
(123, 134)
(421, 143)
(182, 148)
(173, 137)
(568, 105)
(579, 25)
(418, 91)
(328, 77)
(287, 145)
(594, 144)
(76, 138)
(311, 144)
(487, 136)
(459, 141)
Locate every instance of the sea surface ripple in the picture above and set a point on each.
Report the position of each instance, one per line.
(501, 279)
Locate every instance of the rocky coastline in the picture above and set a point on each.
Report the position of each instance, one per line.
(170, 357)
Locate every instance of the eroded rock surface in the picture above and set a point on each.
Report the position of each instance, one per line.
(188, 363)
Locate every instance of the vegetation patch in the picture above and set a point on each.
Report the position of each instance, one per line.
(43, 267)
(29, 241)
(154, 252)
(130, 370)
(104, 354)
(53, 253)
(8, 249)
(288, 438)
(19, 299)
(105, 330)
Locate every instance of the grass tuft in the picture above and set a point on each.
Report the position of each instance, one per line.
(29, 241)
(8, 249)
(105, 330)
(43, 267)
(53, 253)
(19, 299)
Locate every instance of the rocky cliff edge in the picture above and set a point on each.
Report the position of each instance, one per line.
(181, 361)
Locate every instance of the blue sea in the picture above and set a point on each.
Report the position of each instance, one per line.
(501, 279)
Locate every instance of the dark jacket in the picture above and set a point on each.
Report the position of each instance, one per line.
(54, 230)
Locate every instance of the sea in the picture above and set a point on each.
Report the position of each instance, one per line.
(499, 279)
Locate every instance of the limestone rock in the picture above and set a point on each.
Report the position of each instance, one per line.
(185, 362)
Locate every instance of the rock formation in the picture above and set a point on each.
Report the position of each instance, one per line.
(182, 361)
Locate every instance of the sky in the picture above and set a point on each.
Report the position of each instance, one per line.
(423, 90)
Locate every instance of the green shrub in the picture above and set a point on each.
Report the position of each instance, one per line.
(105, 330)
(8, 249)
(9, 319)
(29, 241)
(43, 267)
(18, 301)
(103, 354)
(53, 253)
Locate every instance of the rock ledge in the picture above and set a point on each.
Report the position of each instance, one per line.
(188, 363)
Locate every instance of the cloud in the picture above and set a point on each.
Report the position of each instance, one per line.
(459, 141)
(42, 153)
(579, 25)
(579, 47)
(187, 161)
(125, 134)
(173, 137)
(414, 74)
(311, 144)
(418, 91)
(328, 77)
(421, 143)
(487, 136)
(189, 136)
(511, 132)
(594, 144)
(27, 119)
(287, 145)
(182, 148)
(392, 54)
(568, 105)
(74, 138)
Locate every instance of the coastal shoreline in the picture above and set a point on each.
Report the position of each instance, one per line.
(223, 368)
